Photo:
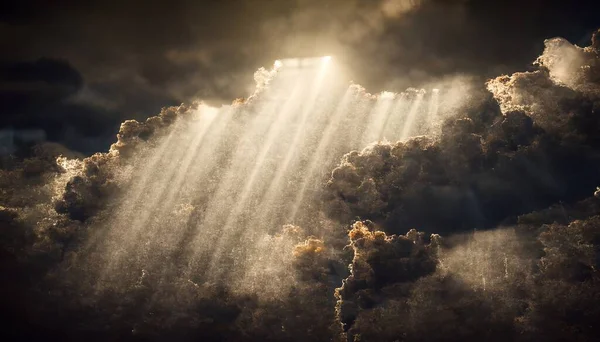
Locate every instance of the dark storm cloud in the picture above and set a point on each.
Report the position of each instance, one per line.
(536, 280)
(41, 94)
(136, 57)
(525, 283)
(48, 204)
(487, 166)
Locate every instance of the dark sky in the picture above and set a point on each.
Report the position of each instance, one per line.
(78, 68)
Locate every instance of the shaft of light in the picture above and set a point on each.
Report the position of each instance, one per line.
(283, 169)
(212, 194)
(319, 153)
(154, 199)
(378, 117)
(230, 178)
(273, 134)
(433, 108)
(392, 118)
(410, 118)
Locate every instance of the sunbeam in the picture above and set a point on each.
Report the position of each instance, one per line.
(320, 153)
(225, 180)
(301, 134)
(408, 126)
(381, 111)
(437, 201)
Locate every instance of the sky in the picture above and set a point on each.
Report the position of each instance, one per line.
(77, 70)
(306, 208)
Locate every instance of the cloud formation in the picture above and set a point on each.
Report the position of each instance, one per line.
(136, 58)
(508, 185)
(489, 166)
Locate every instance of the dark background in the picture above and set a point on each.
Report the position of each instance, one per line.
(77, 69)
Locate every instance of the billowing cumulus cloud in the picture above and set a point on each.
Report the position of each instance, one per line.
(494, 285)
(522, 282)
(488, 166)
(507, 182)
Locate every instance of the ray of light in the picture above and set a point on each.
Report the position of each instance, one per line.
(283, 168)
(128, 210)
(195, 182)
(434, 105)
(199, 152)
(192, 168)
(208, 196)
(410, 118)
(230, 183)
(247, 191)
(161, 179)
(378, 117)
(392, 118)
(320, 152)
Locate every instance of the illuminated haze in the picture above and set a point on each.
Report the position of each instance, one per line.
(206, 200)
(310, 211)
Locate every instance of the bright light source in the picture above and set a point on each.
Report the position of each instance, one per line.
(207, 112)
(302, 62)
(387, 95)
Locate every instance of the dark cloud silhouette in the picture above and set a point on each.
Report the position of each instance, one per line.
(530, 281)
(41, 94)
(137, 57)
(488, 166)
(494, 285)
(508, 185)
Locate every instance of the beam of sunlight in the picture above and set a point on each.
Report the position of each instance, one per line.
(215, 121)
(378, 116)
(319, 154)
(192, 166)
(271, 194)
(128, 210)
(432, 113)
(195, 187)
(161, 178)
(392, 118)
(410, 118)
(242, 160)
(206, 199)
(248, 188)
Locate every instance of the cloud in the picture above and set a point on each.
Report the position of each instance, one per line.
(521, 282)
(38, 95)
(167, 54)
(494, 285)
(396, 8)
(468, 177)
(510, 194)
